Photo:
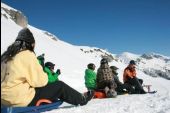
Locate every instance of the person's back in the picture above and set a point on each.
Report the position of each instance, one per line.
(16, 77)
(90, 77)
(104, 73)
(105, 78)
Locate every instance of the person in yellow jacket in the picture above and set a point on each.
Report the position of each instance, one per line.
(23, 81)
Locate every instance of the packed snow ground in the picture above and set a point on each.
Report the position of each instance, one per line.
(144, 103)
(72, 62)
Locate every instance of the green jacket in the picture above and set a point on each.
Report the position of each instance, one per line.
(52, 77)
(90, 79)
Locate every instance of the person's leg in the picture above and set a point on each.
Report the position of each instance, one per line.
(138, 87)
(112, 92)
(59, 90)
(129, 88)
(102, 86)
(121, 89)
(140, 81)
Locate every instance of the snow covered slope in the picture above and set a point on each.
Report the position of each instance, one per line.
(152, 64)
(72, 60)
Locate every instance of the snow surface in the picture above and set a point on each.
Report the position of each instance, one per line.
(72, 62)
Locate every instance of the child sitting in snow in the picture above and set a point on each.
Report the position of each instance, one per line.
(49, 69)
(90, 77)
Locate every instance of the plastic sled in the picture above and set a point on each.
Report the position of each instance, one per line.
(148, 87)
(99, 94)
(33, 109)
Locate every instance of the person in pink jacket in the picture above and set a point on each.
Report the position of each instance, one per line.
(23, 81)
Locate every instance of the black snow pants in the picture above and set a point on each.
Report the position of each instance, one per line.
(58, 90)
(137, 83)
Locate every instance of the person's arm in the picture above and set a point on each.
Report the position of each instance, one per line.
(58, 72)
(52, 76)
(41, 60)
(128, 73)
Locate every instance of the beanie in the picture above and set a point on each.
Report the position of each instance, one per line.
(132, 62)
(104, 61)
(26, 36)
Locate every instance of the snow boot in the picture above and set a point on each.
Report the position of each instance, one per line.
(87, 97)
(111, 93)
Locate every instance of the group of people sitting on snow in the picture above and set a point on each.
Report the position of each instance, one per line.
(107, 80)
(25, 80)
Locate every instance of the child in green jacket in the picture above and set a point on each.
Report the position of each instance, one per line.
(49, 69)
(90, 77)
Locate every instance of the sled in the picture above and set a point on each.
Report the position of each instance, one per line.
(33, 109)
(152, 92)
(99, 94)
(149, 89)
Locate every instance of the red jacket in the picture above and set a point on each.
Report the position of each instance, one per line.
(129, 72)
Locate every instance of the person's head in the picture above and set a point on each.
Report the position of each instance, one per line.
(132, 62)
(50, 65)
(103, 61)
(91, 66)
(114, 69)
(132, 65)
(24, 41)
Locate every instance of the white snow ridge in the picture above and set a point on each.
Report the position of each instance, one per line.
(72, 60)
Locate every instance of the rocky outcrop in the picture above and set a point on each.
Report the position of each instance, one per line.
(101, 53)
(155, 73)
(17, 16)
(51, 36)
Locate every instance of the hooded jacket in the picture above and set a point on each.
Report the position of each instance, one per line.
(104, 73)
(52, 77)
(19, 78)
(129, 72)
(90, 79)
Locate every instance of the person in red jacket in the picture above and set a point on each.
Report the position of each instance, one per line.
(129, 77)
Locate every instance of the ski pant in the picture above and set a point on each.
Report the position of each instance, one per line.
(58, 90)
(137, 83)
(108, 86)
(124, 88)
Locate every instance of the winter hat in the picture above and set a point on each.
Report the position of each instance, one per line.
(91, 66)
(114, 68)
(49, 65)
(104, 61)
(26, 36)
(132, 62)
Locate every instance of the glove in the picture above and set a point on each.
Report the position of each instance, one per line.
(58, 71)
(41, 57)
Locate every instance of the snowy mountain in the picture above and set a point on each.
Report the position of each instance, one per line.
(72, 60)
(152, 64)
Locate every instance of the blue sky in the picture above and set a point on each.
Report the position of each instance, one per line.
(137, 26)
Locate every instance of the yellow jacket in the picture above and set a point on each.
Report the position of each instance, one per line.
(20, 77)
